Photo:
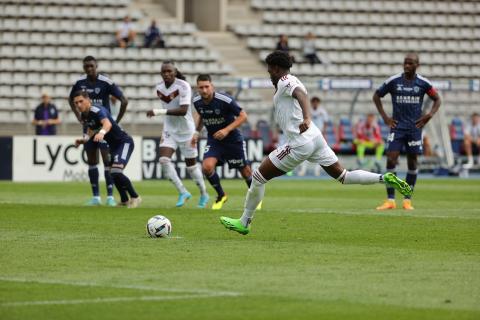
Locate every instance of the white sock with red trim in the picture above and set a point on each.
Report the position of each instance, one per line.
(255, 195)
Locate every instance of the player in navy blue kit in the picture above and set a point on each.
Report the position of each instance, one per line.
(221, 115)
(99, 88)
(101, 127)
(407, 90)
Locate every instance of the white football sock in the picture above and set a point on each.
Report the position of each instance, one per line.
(359, 177)
(254, 196)
(170, 173)
(197, 176)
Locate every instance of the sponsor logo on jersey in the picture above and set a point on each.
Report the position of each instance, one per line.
(407, 99)
(213, 121)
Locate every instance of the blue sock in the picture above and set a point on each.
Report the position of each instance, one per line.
(109, 182)
(125, 184)
(214, 180)
(120, 187)
(391, 190)
(411, 179)
(93, 175)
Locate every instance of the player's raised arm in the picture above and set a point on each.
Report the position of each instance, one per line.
(302, 99)
(437, 101)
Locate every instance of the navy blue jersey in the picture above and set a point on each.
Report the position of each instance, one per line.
(218, 114)
(46, 113)
(98, 91)
(407, 98)
(93, 118)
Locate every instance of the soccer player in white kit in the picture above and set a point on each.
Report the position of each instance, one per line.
(304, 141)
(175, 95)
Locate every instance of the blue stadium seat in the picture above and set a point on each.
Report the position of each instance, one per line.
(331, 135)
(456, 135)
(384, 129)
(264, 133)
(246, 130)
(346, 136)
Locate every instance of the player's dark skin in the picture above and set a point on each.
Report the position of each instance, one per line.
(267, 168)
(90, 69)
(206, 91)
(410, 65)
(169, 73)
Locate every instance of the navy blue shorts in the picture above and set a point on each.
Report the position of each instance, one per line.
(121, 153)
(92, 145)
(235, 154)
(409, 140)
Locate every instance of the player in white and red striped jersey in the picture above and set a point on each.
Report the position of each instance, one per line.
(175, 95)
(304, 142)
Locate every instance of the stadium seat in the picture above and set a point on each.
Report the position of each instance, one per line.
(263, 132)
(345, 136)
(331, 135)
(457, 135)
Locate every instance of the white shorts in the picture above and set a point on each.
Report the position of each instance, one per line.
(317, 150)
(174, 142)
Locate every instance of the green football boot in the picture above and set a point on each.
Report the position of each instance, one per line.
(235, 225)
(397, 183)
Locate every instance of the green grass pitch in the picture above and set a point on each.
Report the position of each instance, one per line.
(318, 250)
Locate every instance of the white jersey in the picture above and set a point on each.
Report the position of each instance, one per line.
(473, 130)
(319, 117)
(179, 93)
(288, 113)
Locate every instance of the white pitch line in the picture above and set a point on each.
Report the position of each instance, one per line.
(133, 287)
(107, 300)
(387, 214)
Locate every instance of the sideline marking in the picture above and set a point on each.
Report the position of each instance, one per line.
(107, 300)
(134, 287)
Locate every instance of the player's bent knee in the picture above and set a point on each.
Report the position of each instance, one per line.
(207, 169)
(116, 173)
(165, 160)
(341, 177)
(116, 170)
(258, 178)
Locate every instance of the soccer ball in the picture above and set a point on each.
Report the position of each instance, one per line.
(159, 227)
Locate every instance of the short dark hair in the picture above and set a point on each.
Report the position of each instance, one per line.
(315, 98)
(280, 59)
(413, 53)
(82, 93)
(89, 58)
(204, 77)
